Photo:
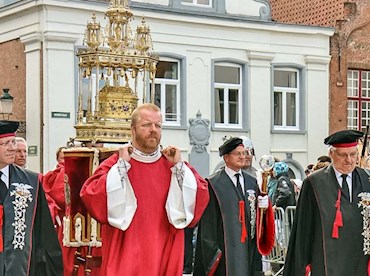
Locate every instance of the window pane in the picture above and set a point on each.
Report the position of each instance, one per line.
(227, 74)
(167, 70)
(233, 106)
(219, 105)
(171, 103)
(352, 83)
(352, 114)
(365, 84)
(278, 106)
(157, 95)
(197, 2)
(203, 2)
(365, 114)
(285, 78)
(291, 109)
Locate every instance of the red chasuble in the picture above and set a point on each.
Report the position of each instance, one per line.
(150, 245)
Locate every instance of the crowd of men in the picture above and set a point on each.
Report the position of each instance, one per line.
(146, 198)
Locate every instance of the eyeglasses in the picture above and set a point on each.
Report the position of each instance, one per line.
(351, 155)
(238, 154)
(9, 143)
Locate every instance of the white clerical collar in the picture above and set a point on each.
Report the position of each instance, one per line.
(144, 157)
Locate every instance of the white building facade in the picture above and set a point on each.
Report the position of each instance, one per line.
(222, 58)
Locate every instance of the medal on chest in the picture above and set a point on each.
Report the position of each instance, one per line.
(364, 204)
(22, 195)
(252, 206)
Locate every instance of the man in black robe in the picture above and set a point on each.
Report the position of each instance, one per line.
(326, 237)
(28, 241)
(228, 238)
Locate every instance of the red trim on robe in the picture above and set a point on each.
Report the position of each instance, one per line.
(265, 242)
(215, 264)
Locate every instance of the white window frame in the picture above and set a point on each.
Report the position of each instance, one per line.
(226, 87)
(175, 82)
(285, 91)
(358, 99)
(196, 4)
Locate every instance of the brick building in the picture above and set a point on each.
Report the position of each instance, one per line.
(349, 104)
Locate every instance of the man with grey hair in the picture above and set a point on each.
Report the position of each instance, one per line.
(21, 152)
(249, 155)
(328, 236)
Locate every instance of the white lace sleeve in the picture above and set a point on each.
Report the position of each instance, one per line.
(121, 199)
(180, 204)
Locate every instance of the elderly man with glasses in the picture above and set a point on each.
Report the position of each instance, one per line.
(28, 241)
(329, 234)
(229, 238)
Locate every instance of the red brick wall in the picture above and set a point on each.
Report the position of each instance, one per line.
(307, 12)
(353, 39)
(13, 76)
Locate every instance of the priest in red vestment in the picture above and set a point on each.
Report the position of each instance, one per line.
(145, 197)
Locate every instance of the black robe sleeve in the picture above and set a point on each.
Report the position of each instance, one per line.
(302, 234)
(209, 246)
(46, 257)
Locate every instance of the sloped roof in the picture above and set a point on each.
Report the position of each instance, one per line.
(307, 12)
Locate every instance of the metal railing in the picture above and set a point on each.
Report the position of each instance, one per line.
(283, 225)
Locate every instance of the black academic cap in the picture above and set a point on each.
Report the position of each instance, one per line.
(344, 138)
(8, 128)
(230, 145)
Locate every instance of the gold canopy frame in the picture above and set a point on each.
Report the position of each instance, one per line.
(118, 59)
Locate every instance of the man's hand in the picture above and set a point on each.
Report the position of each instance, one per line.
(172, 154)
(125, 152)
(263, 202)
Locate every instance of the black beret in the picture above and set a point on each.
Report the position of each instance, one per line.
(344, 138)
(8, 128)
(230, 145)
